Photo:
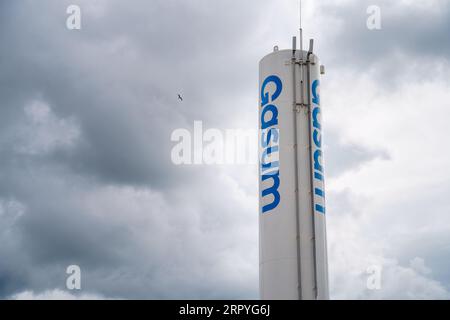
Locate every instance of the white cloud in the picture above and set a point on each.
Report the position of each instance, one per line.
(55, 294)
(418, 264)
(10, 211)
(356, 243)
(43, 131)
(380, 210)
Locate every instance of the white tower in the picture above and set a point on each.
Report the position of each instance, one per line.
(293, 246)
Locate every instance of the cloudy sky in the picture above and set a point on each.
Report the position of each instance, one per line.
(86, 118)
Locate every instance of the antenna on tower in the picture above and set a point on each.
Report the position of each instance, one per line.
(301, 30)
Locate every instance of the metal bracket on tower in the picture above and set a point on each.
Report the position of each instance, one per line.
(301, 62)
(298, 106)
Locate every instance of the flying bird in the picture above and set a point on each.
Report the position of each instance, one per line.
(180, 97)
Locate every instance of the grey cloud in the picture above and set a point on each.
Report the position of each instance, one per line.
(414, 29)
(118, 80)
(348, 156)
(428, 232)
(132, 243)
(119, 77)
(411, 45)
(359, 239)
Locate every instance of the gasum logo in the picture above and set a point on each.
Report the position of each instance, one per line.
(269, 142)
(319, 193)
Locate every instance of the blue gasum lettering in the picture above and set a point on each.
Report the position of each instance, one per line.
(320, 208)
(273, 190)
(278, 87)
(315, 95)
(265, 166)
(317, 150)
(319, 192)
(270, 134)
(315, 114)
(273, 121)
(317, 139)
(269, 164)
(317, 156)
(318, 176)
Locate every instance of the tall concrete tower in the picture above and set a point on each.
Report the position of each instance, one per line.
(293, 246)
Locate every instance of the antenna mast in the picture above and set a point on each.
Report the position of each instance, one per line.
(301, 30)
